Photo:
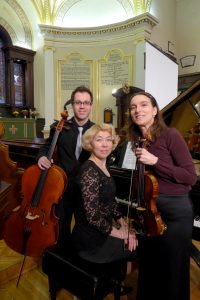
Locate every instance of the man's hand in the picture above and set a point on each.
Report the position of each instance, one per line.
(44, 163)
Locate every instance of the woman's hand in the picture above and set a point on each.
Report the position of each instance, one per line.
(127, 235)
(145, 156)
(122, 222)
(44, 163)
(132, 241)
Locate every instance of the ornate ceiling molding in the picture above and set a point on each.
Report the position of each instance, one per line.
(24, 21)
(51, 13)
(9, 29)
(62, 10)
(127, 7)
(140, 26)
(140, 7)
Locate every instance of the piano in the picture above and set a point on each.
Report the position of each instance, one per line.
(197, 222)
(195, 196)
(182, 113)
(122, 179)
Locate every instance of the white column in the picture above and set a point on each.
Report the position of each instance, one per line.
(49, 102)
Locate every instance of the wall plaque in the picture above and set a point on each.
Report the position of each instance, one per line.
(115, 71)
(74, 71)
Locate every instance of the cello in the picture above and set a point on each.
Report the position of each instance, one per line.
(143, 194)
(32, 227)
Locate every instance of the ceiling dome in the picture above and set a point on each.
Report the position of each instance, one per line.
(87, 13)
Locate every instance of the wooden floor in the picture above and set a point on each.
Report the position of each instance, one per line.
(33, 283)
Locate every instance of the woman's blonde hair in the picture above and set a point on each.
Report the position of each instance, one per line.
(92, 131)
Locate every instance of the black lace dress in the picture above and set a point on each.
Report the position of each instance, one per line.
(95, 211)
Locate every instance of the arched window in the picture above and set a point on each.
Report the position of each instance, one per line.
(16, 76)
(2, 74)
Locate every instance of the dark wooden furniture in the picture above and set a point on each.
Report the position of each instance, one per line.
(19, 128)
(85, 280)
(5, 189)
(181, 112)
(18, 94)
(186, 80)
(24, 152)
(12, 174)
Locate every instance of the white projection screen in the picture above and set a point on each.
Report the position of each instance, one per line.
(161, 75)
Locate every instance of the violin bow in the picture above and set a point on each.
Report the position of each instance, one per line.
(130, 201)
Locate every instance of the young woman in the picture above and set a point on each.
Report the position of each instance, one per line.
(164, 260)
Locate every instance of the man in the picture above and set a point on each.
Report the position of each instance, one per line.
(69, 157)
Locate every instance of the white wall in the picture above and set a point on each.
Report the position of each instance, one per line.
(165, 11)
(188, 32)
(161, 76)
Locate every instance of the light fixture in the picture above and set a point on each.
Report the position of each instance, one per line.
(114, 91)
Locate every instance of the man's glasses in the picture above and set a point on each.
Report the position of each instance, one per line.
(84, 103)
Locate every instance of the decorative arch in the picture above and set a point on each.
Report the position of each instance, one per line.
(5, 36)
(141, 7)
(54, 12)
(24, 20)
(128, 7)
(9, 30)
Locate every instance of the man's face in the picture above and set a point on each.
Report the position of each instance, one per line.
(82, 106)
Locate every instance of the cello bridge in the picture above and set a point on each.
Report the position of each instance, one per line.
(29, 216)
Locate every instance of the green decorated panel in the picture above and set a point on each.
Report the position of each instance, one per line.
(19, 128)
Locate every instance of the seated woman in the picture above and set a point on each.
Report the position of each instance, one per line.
(100, 233)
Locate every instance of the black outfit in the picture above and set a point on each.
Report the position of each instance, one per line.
(165, 260)
(96, 210)
(66, 159)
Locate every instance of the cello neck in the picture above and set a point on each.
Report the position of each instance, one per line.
(53, 145)
(43, 175)
(39, 187)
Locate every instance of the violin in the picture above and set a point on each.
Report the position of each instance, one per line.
(32, 227)
(144, 191)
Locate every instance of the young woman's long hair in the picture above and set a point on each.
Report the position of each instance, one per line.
(154, 130)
